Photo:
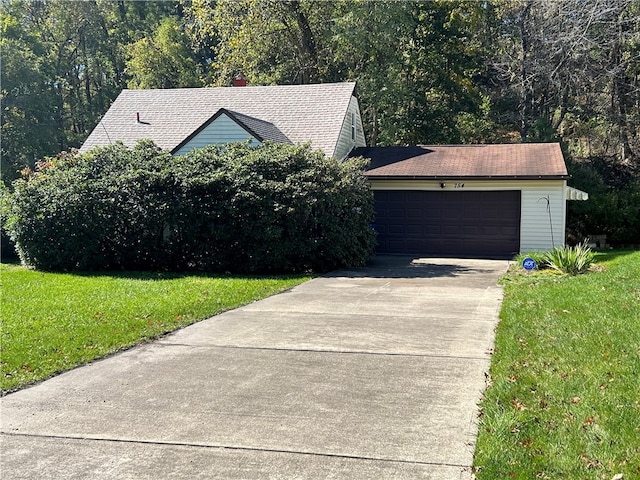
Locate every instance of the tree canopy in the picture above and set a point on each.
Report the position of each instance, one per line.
(448, 71)
(441, 71)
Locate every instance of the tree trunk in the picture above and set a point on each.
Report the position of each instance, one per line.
(526, 106)
(306, 45)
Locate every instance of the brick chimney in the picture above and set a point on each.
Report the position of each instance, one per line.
(239, 81)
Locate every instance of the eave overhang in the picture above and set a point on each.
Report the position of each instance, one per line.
(467, 177)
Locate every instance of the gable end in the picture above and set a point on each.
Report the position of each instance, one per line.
(214, 117)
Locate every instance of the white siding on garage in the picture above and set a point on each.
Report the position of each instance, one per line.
(345, 140)
(543, 223)
(222, 130)
(535, 225)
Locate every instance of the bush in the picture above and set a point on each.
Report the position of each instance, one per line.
(272, 208)
(571, 260)
(101, 210)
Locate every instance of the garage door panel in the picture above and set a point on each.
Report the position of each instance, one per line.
(448, 223)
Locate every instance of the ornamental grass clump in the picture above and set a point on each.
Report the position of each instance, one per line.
(570, 260)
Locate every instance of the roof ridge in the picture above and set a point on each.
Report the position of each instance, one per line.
(291, 86)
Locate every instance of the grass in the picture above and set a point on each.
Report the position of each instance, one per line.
(565, 395)
(52, 322)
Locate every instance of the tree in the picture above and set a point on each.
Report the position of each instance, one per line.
(268, 41)
(63, 63)
(163, 60)
(414, 61)
(28, 106)
(567, 64)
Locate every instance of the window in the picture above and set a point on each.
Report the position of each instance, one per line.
(353, 126)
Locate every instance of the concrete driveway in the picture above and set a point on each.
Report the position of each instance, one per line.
(365, 373)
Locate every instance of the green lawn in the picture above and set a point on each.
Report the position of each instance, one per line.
(565, 398)
(52, 322)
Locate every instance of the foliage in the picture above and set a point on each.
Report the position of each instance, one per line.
(225, 207)
(63, 64)
(52, 322)
(571, 260)
(277, 208)
(613, 208)
(427, 71)
(413, 60)
(565, 64)
(164, 60)
(100, 210)
(28, 109)
(7, 247)
(563, 399)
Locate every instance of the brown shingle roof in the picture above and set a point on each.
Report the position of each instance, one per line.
(300, 113)
(524, 160)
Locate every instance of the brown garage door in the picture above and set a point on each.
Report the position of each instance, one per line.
(458, 223)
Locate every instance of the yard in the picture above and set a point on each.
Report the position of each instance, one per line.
(52, 322)
(565, 395)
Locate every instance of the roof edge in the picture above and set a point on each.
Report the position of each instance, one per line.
(467, 177)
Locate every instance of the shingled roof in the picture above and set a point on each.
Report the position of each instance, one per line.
(506, 161)
(297, 113)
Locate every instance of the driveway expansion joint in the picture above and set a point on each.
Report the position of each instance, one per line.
(233, 447)
(320, 350)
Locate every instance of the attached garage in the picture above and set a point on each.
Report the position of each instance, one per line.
(460, 223)
(490, 201)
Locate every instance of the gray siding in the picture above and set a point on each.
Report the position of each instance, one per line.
(221, 130)
(345, 142)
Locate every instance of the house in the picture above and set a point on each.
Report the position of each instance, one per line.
(456, 200)
(181, 119)
(469, 200)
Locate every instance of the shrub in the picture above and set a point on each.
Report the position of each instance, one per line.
(571, 260)
(272, 208)
(101, 210)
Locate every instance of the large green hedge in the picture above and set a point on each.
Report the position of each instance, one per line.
(236, 208)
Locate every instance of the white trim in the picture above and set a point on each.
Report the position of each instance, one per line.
(575, 194)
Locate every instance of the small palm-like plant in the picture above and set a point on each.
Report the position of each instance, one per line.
(571, 260)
